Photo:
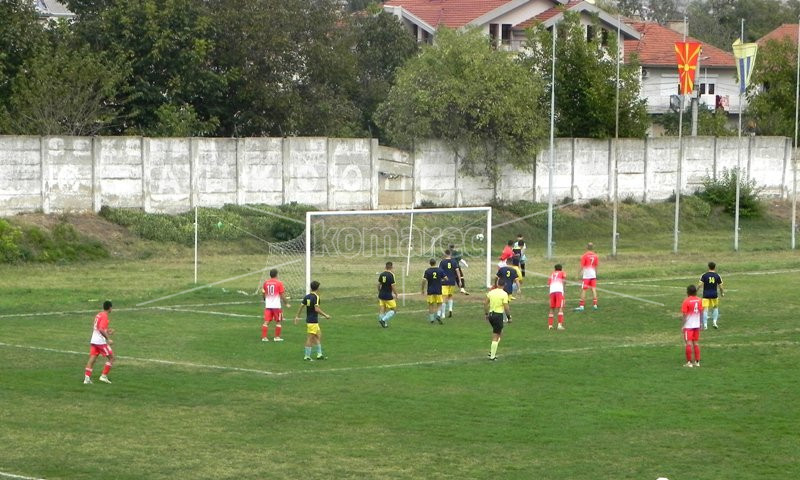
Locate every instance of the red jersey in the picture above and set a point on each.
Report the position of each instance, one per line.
(273, 289)
(507, 253)
(589, 261)
(100, 323)
(692, 310)
(556, 281)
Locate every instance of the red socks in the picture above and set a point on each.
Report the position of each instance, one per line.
(106, 368)
(278, 329)
(264, 331)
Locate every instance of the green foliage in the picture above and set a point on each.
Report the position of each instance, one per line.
(713, 123)
(32, 244)
(167, 44)
(772, 108)
(21, 38)
(230, 223)
(65, 90)
(291, 68)
(718, 22)
(381, 46)
(722, 192)
(10, 237)
(480, 101)
(586, 82)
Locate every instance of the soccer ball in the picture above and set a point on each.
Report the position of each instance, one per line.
(479, 237)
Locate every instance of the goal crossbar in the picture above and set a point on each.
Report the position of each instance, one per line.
(487, 210)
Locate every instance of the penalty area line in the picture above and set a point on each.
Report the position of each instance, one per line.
(154, 360)
(226, 280)
(20, 477)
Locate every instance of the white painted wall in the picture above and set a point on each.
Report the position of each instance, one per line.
(78, 174)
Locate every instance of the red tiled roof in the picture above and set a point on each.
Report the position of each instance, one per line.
(787, 30)
(657, 47)
(449, 13)
(547, 14)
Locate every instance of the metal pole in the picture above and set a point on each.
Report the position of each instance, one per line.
(552, 162)
(794, 153)
(616, 151)
(678, 175)
(696, 99)
(738, 161)
(195, 244)
(680, 160)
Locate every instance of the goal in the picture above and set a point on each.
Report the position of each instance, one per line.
(346, 250)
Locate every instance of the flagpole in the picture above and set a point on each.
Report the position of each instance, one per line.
(616, 151)
(552, 162)
(794, 153)
(738, 157)
(680, 156)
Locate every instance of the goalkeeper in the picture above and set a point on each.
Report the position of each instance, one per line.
(456, 256)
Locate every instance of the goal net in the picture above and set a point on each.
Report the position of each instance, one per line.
(346, 250)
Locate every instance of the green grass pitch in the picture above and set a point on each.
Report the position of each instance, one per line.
(195, 394)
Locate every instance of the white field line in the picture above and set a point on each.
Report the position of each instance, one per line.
(230, 279)
(151, 360)
(611, 292)
(451, 360)
(651, 281)
(20, 477)
(206, 312)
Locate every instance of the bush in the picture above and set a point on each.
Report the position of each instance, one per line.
(722, 192)
(10, 237)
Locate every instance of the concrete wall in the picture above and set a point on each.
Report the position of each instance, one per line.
(76, 174)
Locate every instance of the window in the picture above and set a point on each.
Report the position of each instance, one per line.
(506, 34)
(494, 32)
(711, 89)
(589, 33)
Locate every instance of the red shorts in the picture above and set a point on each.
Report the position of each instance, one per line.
(557, 300)
(271, 314)
(104, 350)
(589, 283)
(691, 334)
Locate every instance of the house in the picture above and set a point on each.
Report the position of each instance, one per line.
(52, 10)
(787, 30)
(653, 44)
(715, 78)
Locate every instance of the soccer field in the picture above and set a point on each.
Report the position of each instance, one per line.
(196, 394)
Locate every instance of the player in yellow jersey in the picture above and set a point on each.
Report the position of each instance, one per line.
(495, 306)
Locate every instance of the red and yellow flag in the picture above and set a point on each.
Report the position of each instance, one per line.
(688, 53)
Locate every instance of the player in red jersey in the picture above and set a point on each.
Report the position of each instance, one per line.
(692, 312)
(274, 295)
(100, 344)
(507, 252)
(556, 282)
(589, 261)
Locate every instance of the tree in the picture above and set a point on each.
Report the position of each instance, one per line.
(64, 91)
(663, 11)
(167, 45)
(21, 37)
(718, 22)
(482, 102)
(381, 45)
(771, 96)
(631, 8)
(586, 82)
(291, 68)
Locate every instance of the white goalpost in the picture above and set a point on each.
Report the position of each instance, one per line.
(348, 246)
